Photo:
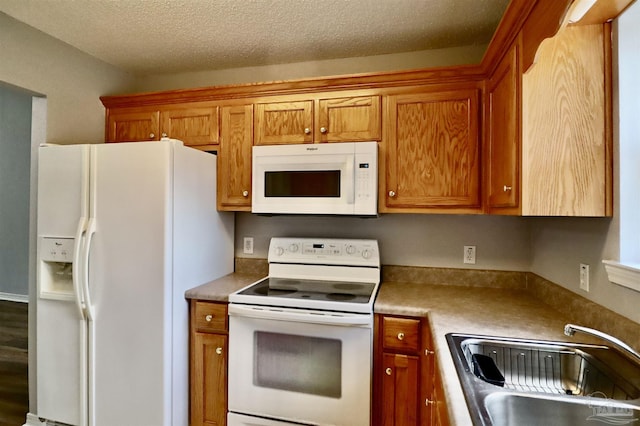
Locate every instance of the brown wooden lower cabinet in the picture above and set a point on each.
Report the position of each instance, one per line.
(208, 363)
(406, 387)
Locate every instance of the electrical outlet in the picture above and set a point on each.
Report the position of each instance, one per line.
(248, 245)
(469, 255)
(584, 276)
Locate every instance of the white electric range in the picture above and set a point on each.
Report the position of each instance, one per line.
(301, 339)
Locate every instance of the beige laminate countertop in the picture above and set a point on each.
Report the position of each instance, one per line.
(450, 309)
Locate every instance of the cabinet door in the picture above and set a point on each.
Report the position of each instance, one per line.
(284, 122)
(432, 150)
(234, 158)
(350, 119)
(503, 117)
(209, 379)
(132, 125)
(197, 127)
(400, 390)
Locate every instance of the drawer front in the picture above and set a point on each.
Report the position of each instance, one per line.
(401, 334)
(210, 317)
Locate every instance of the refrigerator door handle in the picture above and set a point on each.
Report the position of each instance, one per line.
(77, 266)
(91, 229)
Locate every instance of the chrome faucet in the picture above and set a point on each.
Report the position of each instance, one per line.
(570, 330)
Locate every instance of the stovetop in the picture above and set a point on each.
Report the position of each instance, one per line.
(326, 274)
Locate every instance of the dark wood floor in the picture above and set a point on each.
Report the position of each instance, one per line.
(14, 384)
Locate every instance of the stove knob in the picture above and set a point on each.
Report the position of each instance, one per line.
(293, 248)
(351, 249)
(279, 251)
(366, 254)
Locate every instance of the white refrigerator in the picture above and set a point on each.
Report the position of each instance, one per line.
(123, 230)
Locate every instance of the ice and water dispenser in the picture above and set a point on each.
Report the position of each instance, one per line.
(56, 268)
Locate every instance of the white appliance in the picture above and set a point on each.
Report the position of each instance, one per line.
(301, 340)
(328, 178)
(123, 230)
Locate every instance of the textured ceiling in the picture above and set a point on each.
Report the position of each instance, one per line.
(169, 36)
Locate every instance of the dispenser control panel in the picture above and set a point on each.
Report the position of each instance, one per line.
(56, 249)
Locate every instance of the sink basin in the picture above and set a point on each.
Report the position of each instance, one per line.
(506, 409)
(510, 381)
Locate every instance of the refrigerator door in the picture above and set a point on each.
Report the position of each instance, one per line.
(129, 284)
(61, 328)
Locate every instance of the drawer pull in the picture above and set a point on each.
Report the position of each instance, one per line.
(208, 318)
(400, 336)
(388, 371)
(219, 351)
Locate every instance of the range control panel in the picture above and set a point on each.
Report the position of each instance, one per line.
(327, 251)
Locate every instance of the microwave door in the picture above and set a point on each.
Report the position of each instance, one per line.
(304, 185)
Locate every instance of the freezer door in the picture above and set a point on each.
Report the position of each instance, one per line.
(61, 330)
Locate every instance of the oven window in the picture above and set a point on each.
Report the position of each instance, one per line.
(301, 364)
(302, 183)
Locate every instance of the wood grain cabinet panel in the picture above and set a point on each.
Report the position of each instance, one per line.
(341, 119)
(432, 151)
(208, 367)
(196, 127)
(566, 125)
(403, 378)
(503, 135)
(283, 123)
(133, 125)
(352, 119)
(234, 158)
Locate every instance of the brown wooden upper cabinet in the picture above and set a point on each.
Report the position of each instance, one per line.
(343, 119)
(234, 158)
(503, 135)
(431, 152)
(196, 126)
(133, 125)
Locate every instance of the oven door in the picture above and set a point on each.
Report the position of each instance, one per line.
(301, 366)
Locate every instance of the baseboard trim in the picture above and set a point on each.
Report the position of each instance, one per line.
(11, 297)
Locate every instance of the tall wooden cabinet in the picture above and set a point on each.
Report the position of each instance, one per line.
(431, 152)
(234, 158)
(208, 360)
(503, 95)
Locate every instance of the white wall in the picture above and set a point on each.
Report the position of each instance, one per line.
(366, 64)
(405, 239)
(15, 161)
(71, 80)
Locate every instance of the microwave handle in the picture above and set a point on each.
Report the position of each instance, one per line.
(350, 172)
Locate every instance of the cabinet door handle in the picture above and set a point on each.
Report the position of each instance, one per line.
(245, 193)
(152, 135)
(323, 130)
(219, 351)
(392, 194)
(400, 336)
(388, 371)
(164, 135)
(506, 188)
(307, 130)
(428, 352)
(208, 318)
(428, 402)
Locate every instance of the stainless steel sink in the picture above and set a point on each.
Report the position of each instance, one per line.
(531, 382)
(507, 409)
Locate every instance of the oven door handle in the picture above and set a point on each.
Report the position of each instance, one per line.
(301, 315)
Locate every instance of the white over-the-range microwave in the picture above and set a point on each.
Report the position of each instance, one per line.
(328, 178)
